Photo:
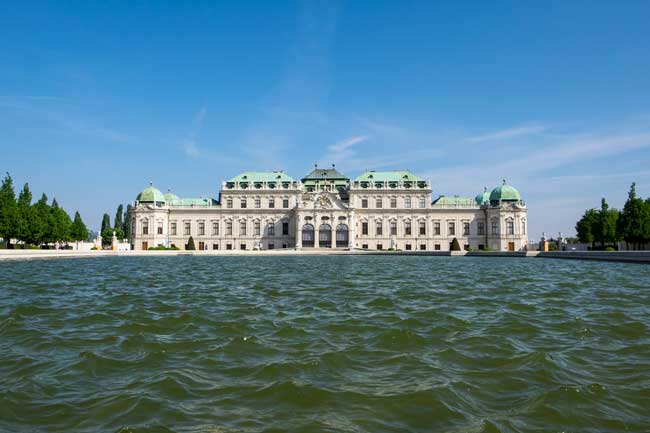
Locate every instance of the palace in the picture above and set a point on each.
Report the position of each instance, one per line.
(378, 210)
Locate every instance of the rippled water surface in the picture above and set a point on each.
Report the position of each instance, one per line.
(324, 344)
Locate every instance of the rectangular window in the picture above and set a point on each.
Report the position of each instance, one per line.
(495, 227)
(436, 228)
(242, 228)
(285, 228)
(466, 247)
(160, 228)
(407, 228)
(510, 227)
(364, 228)
(271, 246)
(364, 203)
(229, 228)
(243, 203)
(451, 228)
(271, 203)
(378, 203)
(215, 246)
(173, 229)
(379, 228)
(229, 203)
(188, 228)
(229, 246)
(480, 228)
(465, 229)
(201, 246)
(285, 203)
(215, 228)
(407, 202)
(256, 228)
(423, 247)
(380, 247)
(201, 228)
(270, 229)
(436, 247)
(422, 202)
(258, 203)
(408, 247)
(242, 246)
(145, 227)
(364, 246)
(393, 228)
(423, 228)
(393, 202)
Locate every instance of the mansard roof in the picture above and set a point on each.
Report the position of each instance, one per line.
(455, 200)
(325, 174)
(388, 176)
(262, 176)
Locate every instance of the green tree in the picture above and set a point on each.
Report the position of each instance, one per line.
(78, 231)
(190, 244)
(60, 223)
(25, 216)
(455, 245)
(119, 222)
(106, 230)
(9, 217)
(586, 225)
(606, 223)
(41, 224)
(634, 223)
(128, 216)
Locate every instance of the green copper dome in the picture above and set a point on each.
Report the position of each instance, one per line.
(483, 197)
(170, 196)
(151, 195)
(504, 192)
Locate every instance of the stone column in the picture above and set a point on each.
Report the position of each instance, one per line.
(351, 223)
(298, 232)
(316, 235)
(333, 236)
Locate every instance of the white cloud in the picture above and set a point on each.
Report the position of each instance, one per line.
(341, 146)
(509, 133)
(189, 143)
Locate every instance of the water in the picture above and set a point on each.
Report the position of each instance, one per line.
(324, 344)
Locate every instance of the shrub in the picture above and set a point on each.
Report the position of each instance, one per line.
(610, 249)
(93, 249)
(162, 248)
(190, 244)
(455, 245)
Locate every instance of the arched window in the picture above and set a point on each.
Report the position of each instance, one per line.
(510, 226)
(342, 236)
(495, 226)
(307, 235)
(270, 229)
(325, 236)
(523, 226)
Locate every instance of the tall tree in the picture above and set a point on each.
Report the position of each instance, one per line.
(41, 224)
(119, 222)
(25, 215)
(60, 223)
(8, 210)
(606, 223)
(634, 223)
(586, 226)
(128, 215)
(106, 230)
(78, 231)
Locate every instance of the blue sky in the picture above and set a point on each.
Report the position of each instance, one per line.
(97, 99)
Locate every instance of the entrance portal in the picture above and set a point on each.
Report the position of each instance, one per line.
(325, 236)
(342, 236)
(308, 236)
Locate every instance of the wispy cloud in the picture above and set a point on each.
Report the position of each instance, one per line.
(188, 144)
(508, 133)
(342, 146)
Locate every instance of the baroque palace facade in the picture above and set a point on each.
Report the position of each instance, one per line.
(379, 210)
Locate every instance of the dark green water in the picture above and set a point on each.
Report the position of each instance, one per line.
(324, 344)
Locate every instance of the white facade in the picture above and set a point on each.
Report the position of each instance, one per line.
(325, 210)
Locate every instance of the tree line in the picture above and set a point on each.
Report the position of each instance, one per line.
(121, 225)
(35, 223)
(605, 227)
